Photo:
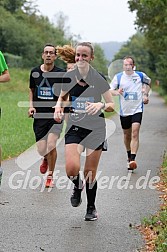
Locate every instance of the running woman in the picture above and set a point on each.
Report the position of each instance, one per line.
(84, 87)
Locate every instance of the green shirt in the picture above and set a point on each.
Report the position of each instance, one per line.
(3, 65)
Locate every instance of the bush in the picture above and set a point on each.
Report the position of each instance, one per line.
(13, 61)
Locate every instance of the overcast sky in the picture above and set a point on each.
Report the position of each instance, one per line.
(95, 20)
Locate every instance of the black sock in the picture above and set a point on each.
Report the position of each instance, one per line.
(133, 156)
(91, 189)
(129, 154)
(76, 180)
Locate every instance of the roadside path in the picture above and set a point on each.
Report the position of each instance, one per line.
(38, 220)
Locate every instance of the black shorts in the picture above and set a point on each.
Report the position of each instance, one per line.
(92, 139)
(44, 126)
(126, 121)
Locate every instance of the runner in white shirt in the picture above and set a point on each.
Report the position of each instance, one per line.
(133, 88)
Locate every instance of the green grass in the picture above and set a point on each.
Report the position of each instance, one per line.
(16, 128)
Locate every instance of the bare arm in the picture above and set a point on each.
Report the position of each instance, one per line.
(108, 106)
(31, 110)
(116, 91)
(5, 76)
(59, 108)
(145, 91)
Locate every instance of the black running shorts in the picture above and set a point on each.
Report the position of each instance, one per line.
(44, 126)
(126, 121)
(92, 139)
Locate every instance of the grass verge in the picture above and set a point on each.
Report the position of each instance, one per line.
(16, 128)
(154, 229)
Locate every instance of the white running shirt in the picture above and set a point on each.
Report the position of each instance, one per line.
(131, 101)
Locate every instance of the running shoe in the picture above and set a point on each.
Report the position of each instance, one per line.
(76, 197)
(44, 166)
(49, 182)
(132, 165)
(91, 214)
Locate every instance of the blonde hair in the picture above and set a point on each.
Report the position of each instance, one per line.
(66, 53)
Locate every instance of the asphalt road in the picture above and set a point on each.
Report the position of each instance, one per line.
(34, 219)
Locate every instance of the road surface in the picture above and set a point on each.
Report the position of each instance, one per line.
(34, 219)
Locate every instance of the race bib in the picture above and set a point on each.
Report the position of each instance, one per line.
(45, 93)
(130, 96)
(79, 103)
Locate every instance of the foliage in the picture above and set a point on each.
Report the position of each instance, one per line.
(23, 36)
(152, 21)
(99, 62)
(137, 47)
(24, 32)
(13, 60)
(12, 5)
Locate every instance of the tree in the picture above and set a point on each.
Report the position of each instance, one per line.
(13, 5)
(152, 21)
(24, 33)
(137, 47)
(99, 62)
